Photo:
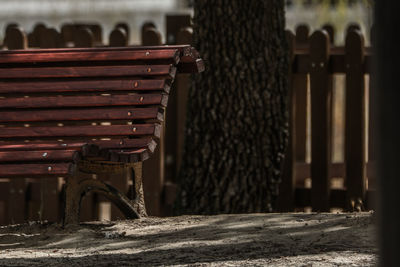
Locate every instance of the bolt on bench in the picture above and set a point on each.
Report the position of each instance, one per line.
(66, 112)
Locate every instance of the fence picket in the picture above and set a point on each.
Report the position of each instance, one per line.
(355, 119)
(153, 183)
(321, 90)
(287, 188)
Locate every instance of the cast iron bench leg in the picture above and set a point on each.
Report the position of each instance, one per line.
(77, 187)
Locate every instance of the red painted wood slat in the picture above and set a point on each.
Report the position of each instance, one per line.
(75, 145)
(50, 55)
(82, 114)
(41, 155)
(27, 170)
(92, 71)
(76, 85)
(81, 131)
(84, 101)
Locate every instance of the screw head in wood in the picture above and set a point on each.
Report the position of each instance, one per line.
(147, 53)
(141, 99)
(134, 129)
(49, 168)
(44, 154)
(136, 84)
(149, 70)
(129, 113)
(121, 142)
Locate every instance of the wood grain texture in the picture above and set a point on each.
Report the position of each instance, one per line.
(80, 131)
(82, 114)
(41, 155)
(80, 85)
(321, 90)
(355, 128)
(83, 101)
(93, 71)
(85, 145)
(29, 170)
(76, 55)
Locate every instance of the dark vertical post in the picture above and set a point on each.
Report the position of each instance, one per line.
(83, 37)
(387, 95)
(67, 33)
(16, 39)
(371, 165)
(321, 90)
(121, 180)
(185, 36)
(34, 36)
(174, 24)
(355, 120)
(300, 88)
(4, 199)
(287, 187)
(118, 37)
(153, 168)
(124, 26)
(352, 27)
(179, 96)
(50, 38)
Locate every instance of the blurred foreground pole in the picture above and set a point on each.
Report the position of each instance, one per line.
(387, 95)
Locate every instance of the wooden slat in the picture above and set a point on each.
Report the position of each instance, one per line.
(26, 170)
(82, 114)
(355, 129)
(41, 155)
(92, 71)
(184, 49)
(321, 90)
(84, 101)
(75, 145)
(170, 56)
(68, 85)
(80, 131)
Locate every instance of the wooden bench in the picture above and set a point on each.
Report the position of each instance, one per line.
(66, 112)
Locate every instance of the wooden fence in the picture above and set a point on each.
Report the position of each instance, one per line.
(315, 63)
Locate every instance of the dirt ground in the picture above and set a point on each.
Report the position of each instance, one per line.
(294, 239)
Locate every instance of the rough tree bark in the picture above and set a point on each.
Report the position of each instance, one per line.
(236, 129)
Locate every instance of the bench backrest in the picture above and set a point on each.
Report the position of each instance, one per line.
(70, 97)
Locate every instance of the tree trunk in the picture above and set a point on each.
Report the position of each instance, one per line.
(237, 127)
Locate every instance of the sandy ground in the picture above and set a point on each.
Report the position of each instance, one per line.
(224, 240)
